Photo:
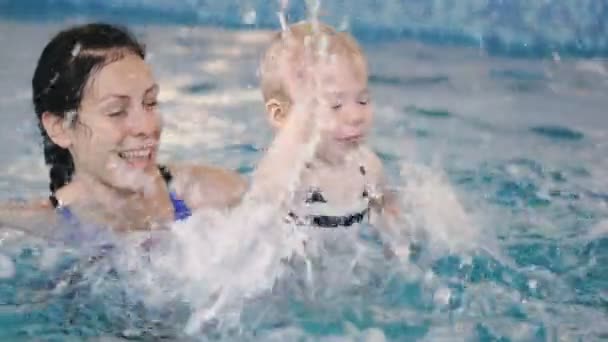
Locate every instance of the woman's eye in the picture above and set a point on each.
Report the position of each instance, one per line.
(116, 113)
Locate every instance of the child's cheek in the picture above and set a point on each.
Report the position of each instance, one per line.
(330, 125)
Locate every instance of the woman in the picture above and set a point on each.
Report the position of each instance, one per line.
(96, 102)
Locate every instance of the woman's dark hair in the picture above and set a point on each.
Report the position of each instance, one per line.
(63, 71)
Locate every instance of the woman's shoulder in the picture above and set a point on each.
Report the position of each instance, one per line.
(203, 186)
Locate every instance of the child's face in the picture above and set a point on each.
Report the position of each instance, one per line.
(344, 85)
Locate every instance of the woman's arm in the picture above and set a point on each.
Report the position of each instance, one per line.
(36, 217)
(204, 187)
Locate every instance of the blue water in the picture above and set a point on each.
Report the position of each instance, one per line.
(515, 27)
(521, 142)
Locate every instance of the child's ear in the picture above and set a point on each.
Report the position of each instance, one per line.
(277, 112)
(56, 129)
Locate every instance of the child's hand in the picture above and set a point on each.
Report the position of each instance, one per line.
(302, 67)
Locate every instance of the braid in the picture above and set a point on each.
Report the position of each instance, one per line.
(61, 165)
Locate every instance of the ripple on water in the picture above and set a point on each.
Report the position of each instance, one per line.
(517, 165)
(408, 81)
(526, 86)
(242, 148)
(199, 88)
(557, 132)
(520, 80)
(517, 74)
(430, 113)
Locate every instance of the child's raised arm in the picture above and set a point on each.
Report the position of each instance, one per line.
(280, 169)
(298, 124)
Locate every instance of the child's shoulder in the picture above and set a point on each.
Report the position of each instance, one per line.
(372, 162)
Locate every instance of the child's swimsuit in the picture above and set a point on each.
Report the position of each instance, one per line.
(330, 221)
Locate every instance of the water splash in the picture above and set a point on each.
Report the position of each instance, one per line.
(459, 288)
(228, 260)
(313, 7)
(282, 18)
(240, 274)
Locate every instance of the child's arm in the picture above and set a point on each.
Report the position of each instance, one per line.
(387, 215)
(383, 200)
(279, 171)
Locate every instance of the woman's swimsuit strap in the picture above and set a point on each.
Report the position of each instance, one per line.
(180, 208)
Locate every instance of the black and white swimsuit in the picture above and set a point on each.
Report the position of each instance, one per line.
(320, 217)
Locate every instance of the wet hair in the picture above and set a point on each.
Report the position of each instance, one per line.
(341, 43)
(62, 74)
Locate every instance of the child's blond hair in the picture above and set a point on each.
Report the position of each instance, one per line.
(320, 36)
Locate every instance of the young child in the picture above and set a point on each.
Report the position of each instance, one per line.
(318, 168)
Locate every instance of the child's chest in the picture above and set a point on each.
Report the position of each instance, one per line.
(336, 187)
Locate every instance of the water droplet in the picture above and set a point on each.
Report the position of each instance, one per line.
(249, 17)
(442, 296)
(76, 49)
(374, 335)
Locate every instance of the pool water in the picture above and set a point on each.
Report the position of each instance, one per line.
(501, 162)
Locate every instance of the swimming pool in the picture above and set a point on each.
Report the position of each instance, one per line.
(502, 160)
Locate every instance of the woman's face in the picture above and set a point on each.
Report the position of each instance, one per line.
(115, 137)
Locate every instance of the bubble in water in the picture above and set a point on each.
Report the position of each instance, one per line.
(374, 335)
(600, 230)
(344, 24)
(7, 267)
(49, 258)
(249, 17)
(367, 335)
(442, 296)
(556, 57)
